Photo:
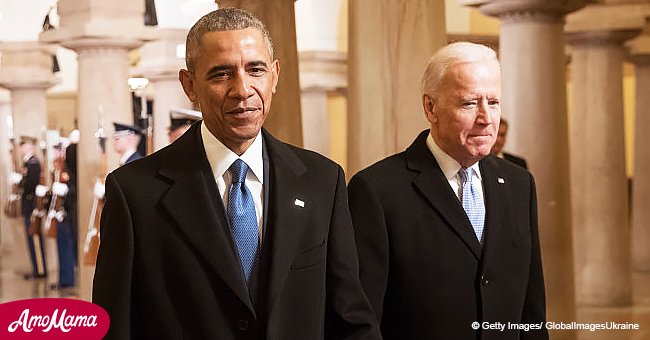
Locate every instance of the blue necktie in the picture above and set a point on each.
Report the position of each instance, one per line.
(242, 217)
(472, 201)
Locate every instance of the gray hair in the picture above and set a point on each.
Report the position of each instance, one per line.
(450, 55)
(223, 19)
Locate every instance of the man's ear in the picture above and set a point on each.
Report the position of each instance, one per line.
(275, 74)
(187, 81)
(428, 103)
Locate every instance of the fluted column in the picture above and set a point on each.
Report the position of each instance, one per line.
(160, 63)
(390, 43)
(284, 120)
(88, 27)
(531, 47)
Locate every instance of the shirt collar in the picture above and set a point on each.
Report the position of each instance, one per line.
(221, 158)
(126, 156)
(448, 165)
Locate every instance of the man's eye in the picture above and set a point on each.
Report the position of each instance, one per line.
(257, 71)
(494, 103)
(220, 75)
(469, 104)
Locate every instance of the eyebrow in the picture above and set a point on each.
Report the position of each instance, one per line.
(257, 63)
(220, 68)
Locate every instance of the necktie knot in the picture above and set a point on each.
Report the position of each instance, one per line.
(465, 175)
(238, 169)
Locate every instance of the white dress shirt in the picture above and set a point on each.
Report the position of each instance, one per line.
(450, 168)
(126, 156)
(221, 158)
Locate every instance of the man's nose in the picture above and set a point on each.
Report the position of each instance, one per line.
(242, 87)
(484, 113)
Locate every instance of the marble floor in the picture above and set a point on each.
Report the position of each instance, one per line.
(14, 263)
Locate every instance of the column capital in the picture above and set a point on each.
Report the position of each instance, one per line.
(235, 3)
(599, 17)
(639, 47)
(325, 70)
(27, 65)
(526, 10)
(161, 59)
(90, 21)
(600, 37)
(89, 45)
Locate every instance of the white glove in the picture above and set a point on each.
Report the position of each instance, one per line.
(99, 189)
(59, 189)
(41, 190)
(15, 178)
(59, 215)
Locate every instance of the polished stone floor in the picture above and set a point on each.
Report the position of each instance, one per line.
(14, 264)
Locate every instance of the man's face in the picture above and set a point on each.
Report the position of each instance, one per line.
(465, 115)
(26, 149)
(233, 82)
(501, 139)
(123, 141)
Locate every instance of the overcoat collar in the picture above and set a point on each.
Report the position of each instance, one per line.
(433, 185)
(194, 203)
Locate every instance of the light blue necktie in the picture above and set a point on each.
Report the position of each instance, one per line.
(242, 217)
(472, 201)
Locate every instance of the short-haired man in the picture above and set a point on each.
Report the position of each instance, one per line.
(229, 233)
(180, 121)
(447, 235)
(31, 176)
(126, 139)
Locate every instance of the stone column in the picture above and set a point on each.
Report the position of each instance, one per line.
(284, 120)
(321, 73)
(531, 47)
(598, 177)
(160, 63)
(640, 56)
(27, 73)
(89, 28)
(390, 43)
(10, 240)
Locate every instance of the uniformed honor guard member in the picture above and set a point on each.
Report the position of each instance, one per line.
(181, 120)
(125, 142)
(31, 175)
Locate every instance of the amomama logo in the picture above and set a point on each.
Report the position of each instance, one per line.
(52, 319)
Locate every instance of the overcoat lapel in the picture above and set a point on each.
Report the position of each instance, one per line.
(193, 202)
(433, 185)
(286, 220)
(497, 207)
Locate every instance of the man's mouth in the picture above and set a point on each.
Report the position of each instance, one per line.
(239, 110)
